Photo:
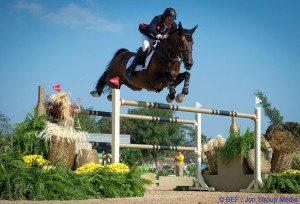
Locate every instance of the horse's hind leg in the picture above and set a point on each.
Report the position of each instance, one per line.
(186, 77)
(100, 85)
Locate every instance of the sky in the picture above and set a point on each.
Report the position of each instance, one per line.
(239, 47)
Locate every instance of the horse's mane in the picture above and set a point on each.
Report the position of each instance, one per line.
(115, 55)
(173, 31)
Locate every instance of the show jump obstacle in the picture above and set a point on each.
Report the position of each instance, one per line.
(199, 183)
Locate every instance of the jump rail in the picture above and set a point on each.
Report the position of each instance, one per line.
(138, 117)
(187, 109)
(146, 147)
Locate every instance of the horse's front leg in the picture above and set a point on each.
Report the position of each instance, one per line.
(185, 90)
(171, 96)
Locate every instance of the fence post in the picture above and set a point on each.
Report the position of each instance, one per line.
(257, 172)
(115, 125)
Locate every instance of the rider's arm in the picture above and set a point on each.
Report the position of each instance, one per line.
(152, 27)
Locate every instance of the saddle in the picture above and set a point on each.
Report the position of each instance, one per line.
(144, 60)
(145, 55)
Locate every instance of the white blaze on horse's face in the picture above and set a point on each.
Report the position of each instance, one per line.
(185, 44)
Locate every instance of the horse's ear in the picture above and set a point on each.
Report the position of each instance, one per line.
(193, 29)
(180, 26)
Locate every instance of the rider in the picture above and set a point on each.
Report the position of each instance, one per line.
(158, 29)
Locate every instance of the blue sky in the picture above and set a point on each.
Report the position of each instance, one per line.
(240, 47)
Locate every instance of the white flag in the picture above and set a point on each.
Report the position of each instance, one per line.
(257, 100)
(198, 105)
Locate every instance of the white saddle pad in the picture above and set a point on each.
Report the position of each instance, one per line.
(139, 67)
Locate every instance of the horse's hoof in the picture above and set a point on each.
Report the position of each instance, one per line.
(109, 97)
(179, 98)
(94, 94)
(168, 99)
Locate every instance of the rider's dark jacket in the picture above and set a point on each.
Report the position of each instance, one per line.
(156, 27)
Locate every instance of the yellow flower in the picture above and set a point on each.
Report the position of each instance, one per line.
(118, 168)
(291, 172)
(35, 159)
(90, 167)
(49, 167)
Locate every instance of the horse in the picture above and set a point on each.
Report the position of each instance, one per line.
(163, 70)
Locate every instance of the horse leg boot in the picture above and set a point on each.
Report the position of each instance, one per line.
(136, 60)
(185, 91)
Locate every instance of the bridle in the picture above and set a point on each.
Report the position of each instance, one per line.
(179, 59)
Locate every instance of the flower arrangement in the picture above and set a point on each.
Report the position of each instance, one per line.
(34, 160)
(61, 108)
(90, 167)
(118, 168)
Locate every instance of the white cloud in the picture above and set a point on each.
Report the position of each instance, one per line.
(31, 7)
(75, 16)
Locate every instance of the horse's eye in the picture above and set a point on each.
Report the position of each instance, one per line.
(189, 38)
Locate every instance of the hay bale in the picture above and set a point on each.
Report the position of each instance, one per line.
(86, 156)
(212, 157)
(281, 161)
(62, 150)
(265, 163)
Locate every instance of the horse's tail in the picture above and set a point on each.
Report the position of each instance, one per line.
(102, 82)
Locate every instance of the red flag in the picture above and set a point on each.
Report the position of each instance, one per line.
(115, 81)
(56, 87)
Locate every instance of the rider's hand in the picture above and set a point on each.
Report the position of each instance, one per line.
(165, 36)
(162, 37)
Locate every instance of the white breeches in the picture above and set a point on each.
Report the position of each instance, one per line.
(146, 41)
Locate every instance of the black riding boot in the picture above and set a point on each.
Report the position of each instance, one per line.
(135, 62)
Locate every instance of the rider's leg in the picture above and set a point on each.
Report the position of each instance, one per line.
(145, 43)
(135, 62)
(146, 53)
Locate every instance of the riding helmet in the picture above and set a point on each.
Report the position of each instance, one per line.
(170, 12)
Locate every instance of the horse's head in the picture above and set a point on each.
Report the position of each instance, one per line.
(185, 45)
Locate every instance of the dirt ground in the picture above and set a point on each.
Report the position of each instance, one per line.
(167, 195)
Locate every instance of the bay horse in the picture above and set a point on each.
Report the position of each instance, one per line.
(163, 70)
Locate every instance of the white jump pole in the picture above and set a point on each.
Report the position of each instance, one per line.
(256, 185)
(257, 172)
(198, 143)
(115, 125)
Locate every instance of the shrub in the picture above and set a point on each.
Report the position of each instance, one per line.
(287, 182)
(237, 145)
(296, 162)
(37, 181)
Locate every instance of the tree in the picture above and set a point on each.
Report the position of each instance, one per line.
(191, 139)
(5, 128)
(87, 123)
(154, 133)
(105, 125)
(272, 113)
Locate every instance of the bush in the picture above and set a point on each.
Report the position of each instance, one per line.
(287, 182)
(296, 162)
(20, 181)
(237, 145)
